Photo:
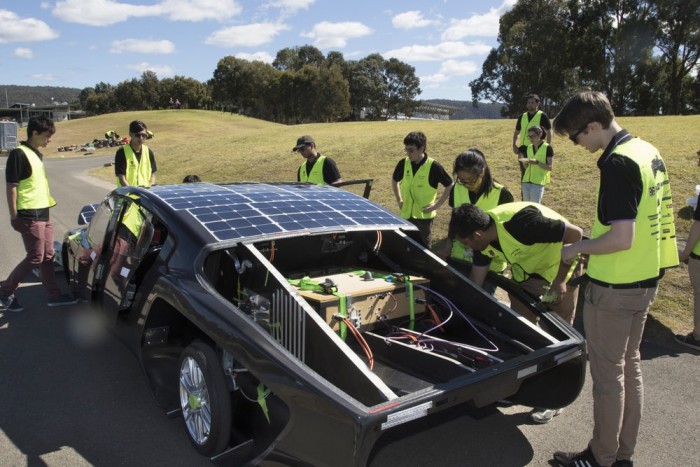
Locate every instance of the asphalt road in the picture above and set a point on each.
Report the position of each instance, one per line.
(73, 396)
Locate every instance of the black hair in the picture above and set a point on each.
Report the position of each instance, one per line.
(137, 126)
(467, 219)
(417, 139)
(581, 109)
(191, 179)
(473, 160)
(40, 124)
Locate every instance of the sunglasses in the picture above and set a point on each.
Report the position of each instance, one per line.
(471, 181)
(574, 137)
(140, 135)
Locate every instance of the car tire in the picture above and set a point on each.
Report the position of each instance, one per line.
(204, 399)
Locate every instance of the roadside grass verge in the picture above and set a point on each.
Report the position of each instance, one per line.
(221, 147)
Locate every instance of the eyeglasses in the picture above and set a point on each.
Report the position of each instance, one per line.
(140, 135)
(574, 137)
(411, 149)
(471, 181)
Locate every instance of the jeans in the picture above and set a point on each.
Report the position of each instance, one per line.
(38, 243)
(532, 192)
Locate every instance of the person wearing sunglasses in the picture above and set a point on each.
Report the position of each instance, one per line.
(475, 185)
(531, 118)
(537, 159)
(632, 241)
(130, 165)
(317, 169)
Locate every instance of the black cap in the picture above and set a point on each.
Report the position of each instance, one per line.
(302, 141)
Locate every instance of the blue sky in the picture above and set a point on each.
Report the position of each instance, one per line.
(78, 43)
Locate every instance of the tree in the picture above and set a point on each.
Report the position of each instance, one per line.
(150, 90)
(296, 58)
(678, 39)
(367, 87)
(402, 88)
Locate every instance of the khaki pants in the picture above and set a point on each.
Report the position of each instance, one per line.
(694, 273)
(614, 320)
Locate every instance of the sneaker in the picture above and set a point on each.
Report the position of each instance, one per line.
(623, 463)
(10, 304)
(688, 340)
(576, 459)
(544, 415)
(63, 299)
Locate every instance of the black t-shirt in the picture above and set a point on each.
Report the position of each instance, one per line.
(437, 174)
(620, 184)
(522, 151)
(18, 168)
(330, 170)
(544, 121)
(120, 161)
(528, 226)
(696, 215)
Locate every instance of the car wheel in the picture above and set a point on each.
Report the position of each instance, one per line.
(204, 399)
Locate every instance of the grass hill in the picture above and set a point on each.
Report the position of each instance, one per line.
(223, 147)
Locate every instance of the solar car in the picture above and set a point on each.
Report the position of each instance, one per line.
(300, 323)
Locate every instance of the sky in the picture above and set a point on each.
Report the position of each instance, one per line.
(79, 43)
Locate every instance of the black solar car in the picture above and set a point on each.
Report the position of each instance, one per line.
(300, 323)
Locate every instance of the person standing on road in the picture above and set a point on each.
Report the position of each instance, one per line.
(316, 168)
(533, 117)
(537, 158)
(632, 241)
(474, 185)
(415, 183)
(691, 255)
(130, 167)
(29, 201)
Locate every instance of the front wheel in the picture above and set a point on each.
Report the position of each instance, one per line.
(204, 399)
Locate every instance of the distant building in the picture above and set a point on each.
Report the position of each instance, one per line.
(22, 112)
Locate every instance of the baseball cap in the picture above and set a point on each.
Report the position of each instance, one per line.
(303, 140)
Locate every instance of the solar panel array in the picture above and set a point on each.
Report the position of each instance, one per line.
(87, 213)
(240, 211)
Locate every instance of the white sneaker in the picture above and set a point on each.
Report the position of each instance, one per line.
(544, 415)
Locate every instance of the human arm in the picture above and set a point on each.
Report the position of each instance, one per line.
(122, 180)
(572, 234)
(436, 205)
(120, 167)
(331, 174)
(693, 235)
(439, 176)
(478, 274)
(620, 237)
(516, 136)
(12, 200)
(396, 186)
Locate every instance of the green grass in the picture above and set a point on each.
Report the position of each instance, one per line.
(222, 147)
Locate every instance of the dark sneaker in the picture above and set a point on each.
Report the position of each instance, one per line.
(688, 340)
(14, 304)
(622, 463)
(576, 459)
(5, 301)
(63, 299)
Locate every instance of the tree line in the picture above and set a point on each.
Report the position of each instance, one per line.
(642, 54)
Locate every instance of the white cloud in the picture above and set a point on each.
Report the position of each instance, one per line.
(442, 51)
(160, 70)
(23, 52)
(142, 46)
(485, 25)
(290, 6)
(326, 35)
(16, 29)
(108, 12)
(411, 19)
(249, 35)
(259, 56)
(44, 77)
(198, 10)
(449, 69)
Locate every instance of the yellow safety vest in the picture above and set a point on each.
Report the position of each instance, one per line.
(33, 192)
(485, 202)
(526, 124)
(534, 173)
(654, 246)
(416, 191)
(541, 258)
(316, 174)
(138, 173)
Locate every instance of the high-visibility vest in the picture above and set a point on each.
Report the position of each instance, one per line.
(316, 174)
(33, 192)
(534, 173)
(654, 246)
(138, 172)
(485, 202)
(526, 124)
(416, 191)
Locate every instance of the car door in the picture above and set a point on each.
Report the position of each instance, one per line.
(129, 237)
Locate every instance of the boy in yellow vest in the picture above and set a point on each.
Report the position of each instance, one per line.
(632, 241)
(691, 255)
(317, 169)
(415, 184)
(533, 117)
(29, 200)
(135, 163)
